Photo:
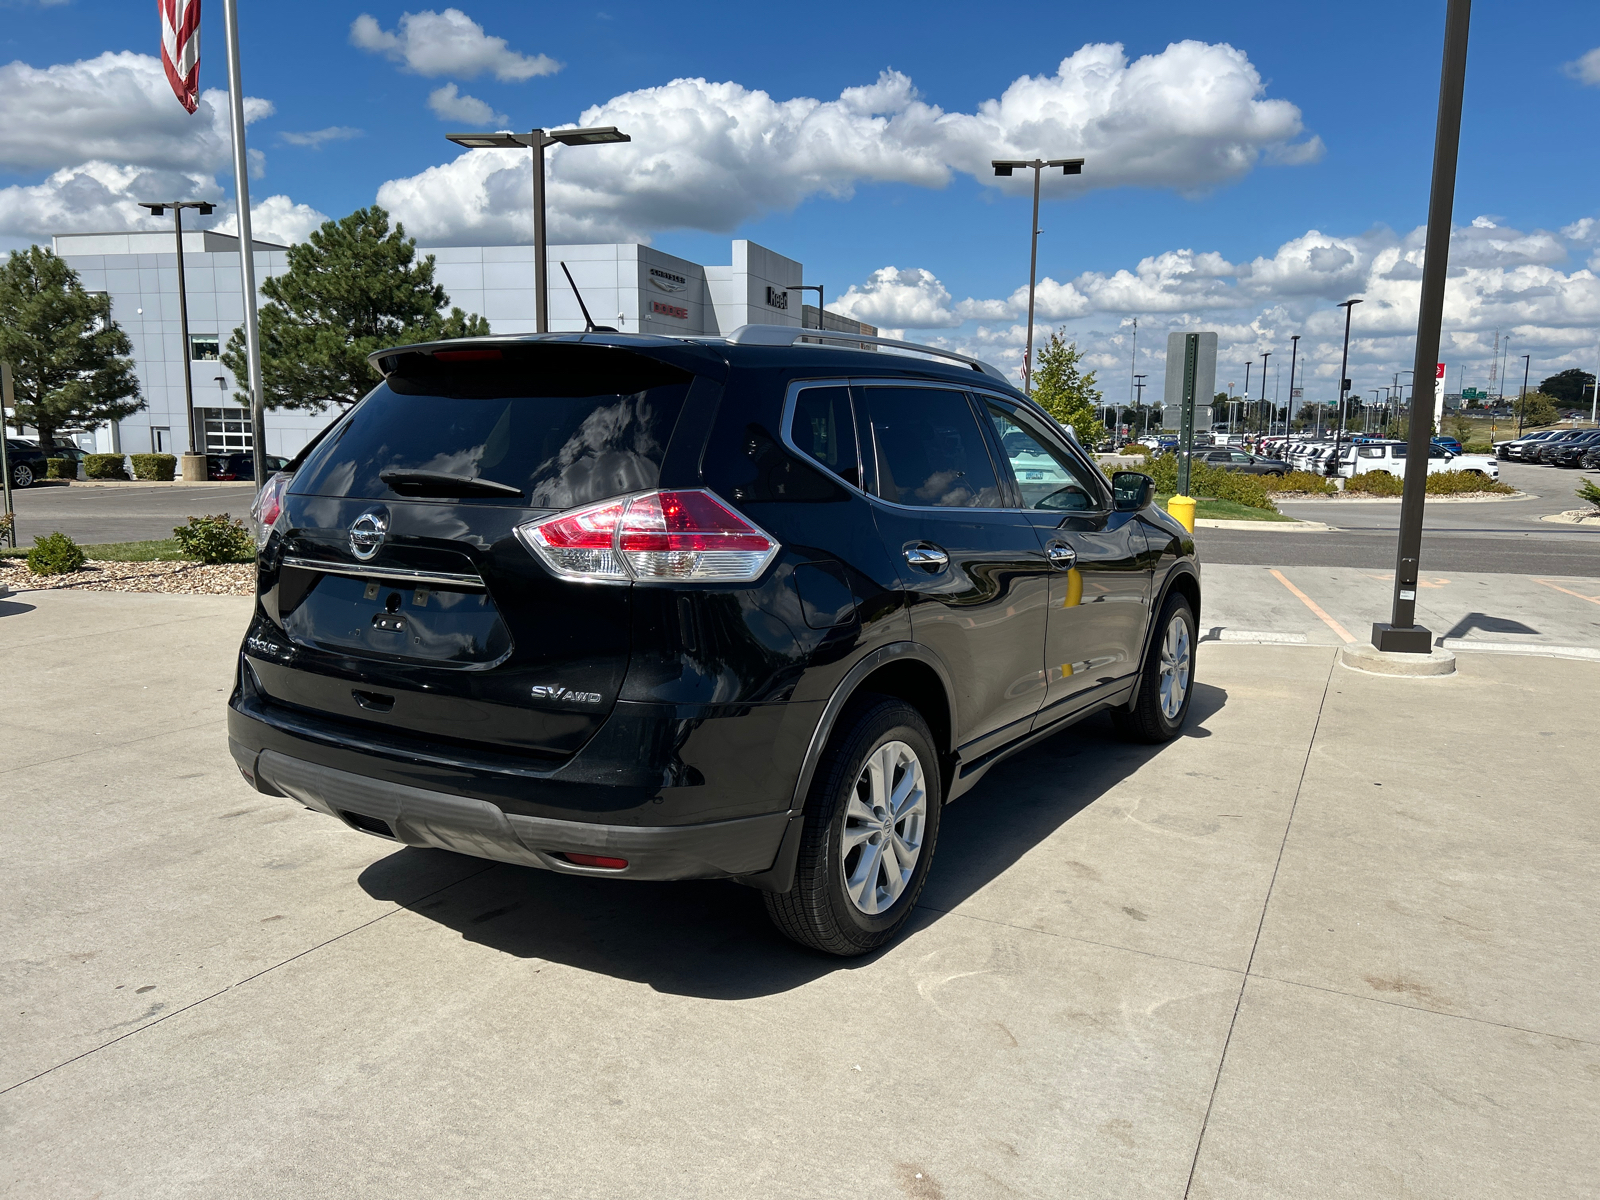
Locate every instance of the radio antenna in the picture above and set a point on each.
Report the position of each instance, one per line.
(588, 322)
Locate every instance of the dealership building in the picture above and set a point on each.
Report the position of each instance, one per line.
(637, 289)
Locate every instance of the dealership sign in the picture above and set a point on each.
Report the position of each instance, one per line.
(667, 281)
(669, 310)
(778, 297)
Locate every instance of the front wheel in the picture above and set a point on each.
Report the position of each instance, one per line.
(1166, 679)
(22, 476)
(870, 825)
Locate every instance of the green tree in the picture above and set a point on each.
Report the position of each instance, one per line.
(355, 287)
(1569, 387)
(1460, 428)
(1535, 409)
(1067, 393)
(70, 361)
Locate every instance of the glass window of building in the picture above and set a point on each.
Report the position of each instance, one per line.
(226, 429)
(204, 347)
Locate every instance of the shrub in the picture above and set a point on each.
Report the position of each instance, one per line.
(60, 468)
(1588, 491)
(1454, 483)
(1305, 483)
(104, 466)
(1135, 448)
(1375, 483)
(55, 554)
(215, 539)
(1206, 480)
(154, 466)
(1477, 447)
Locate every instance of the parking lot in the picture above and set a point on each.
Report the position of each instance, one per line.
(1338, 940)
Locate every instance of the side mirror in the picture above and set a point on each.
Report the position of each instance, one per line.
(1131, 490)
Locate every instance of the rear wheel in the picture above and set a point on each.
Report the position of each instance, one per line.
(22, 476)
(870, 825)
(1166, 680)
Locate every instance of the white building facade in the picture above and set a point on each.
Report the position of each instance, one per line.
(635, 289)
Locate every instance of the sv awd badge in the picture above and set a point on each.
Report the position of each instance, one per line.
(564, 695)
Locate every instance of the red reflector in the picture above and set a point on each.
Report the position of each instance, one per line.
(595, 860)
(465, 355)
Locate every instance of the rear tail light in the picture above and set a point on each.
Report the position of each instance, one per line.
(264, 513)
(689, 536)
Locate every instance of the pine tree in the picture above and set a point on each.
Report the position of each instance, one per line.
(355, 287)
(70, 361)
(1064, 392)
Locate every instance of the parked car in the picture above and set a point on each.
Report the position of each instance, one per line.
(26, 460)
(1390, 457)
(1451, 444)
(1591, 459)
(1541, 451)
(1514, 449)
(1570, 453)
(240, 465)
(1244, 462)
(739, 608)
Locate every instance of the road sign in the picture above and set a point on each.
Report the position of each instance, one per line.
(1191, 373)
(1438, 371)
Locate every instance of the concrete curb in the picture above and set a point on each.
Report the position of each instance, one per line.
(1291, 526)
(154, 483)
(1539, 649)
(1341, 498)
(1360, 657)
(1574, 516)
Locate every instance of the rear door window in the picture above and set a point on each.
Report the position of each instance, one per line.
(567, 426)
(930, 451)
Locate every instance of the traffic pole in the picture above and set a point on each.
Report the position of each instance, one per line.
(1402, 634)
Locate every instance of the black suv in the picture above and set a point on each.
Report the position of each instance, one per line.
(26, 461)
(700, 608)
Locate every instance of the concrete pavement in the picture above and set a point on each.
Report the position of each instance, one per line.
(92, 515)
(1279, 957)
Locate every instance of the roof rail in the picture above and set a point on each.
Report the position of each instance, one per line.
(788, 335)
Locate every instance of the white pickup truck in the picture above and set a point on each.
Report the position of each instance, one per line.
(1390, 457)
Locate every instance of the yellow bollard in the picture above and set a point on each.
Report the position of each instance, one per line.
(1182, 507)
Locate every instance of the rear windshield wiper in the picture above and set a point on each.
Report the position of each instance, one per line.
(442, 483)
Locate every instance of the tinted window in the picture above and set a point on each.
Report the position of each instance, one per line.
(565, 429)
(930, 450)
(824, 428)
(1046, 477)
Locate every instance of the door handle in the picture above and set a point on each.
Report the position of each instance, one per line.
(1062, 558)
(929, 558)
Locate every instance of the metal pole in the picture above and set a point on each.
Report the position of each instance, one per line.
(1191, 357)
(247, 246)
(1403, 634)
(1033, 270)
(183, 325)
(541, 284)
(1344, 364)
(1264, 358)
(1134, 365)
(1522, 400)
(8, 399)
(1294, 357)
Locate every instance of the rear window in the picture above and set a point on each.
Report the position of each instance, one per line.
(565, 425)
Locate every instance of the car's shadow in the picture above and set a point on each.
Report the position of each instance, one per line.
(712, 938)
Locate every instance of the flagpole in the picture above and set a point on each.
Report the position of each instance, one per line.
(247, 257)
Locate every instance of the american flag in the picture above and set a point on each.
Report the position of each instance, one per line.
(180, 48)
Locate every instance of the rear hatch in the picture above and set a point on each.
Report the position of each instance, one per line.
(406, 599)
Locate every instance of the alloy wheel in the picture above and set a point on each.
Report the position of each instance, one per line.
(1177, 659)
(884, 822)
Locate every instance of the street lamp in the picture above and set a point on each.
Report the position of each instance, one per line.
(1264, 358)
(536, 140)
(822, 308)
(1138, 386)
(1522, 401)
(1344, 384)
(1288, 412)
(205, 208)
(1004, 167)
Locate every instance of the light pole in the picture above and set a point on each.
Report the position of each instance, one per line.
(1138, 386)
(822, 308)
(1004, 167)
(536, 140)
(1344, 384)
(1522, 400)
(205, 209)
(1294, 358)
(1264, 358)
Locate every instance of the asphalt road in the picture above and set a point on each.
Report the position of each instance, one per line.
(1495, 536)
(92, 515)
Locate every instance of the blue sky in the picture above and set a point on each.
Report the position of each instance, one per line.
(1363, 77)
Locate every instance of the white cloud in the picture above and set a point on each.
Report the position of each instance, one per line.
(448, 43)
(114, 108)
(316, 137)
(274, 219)
(450, 105)
(1501, 280)
(709, 155)
(1586, 69)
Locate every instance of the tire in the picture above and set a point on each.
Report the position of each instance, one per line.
(21, 476)
(843, 899)
(1154, 718)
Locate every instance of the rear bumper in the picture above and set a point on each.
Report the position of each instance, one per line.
(417, 816)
